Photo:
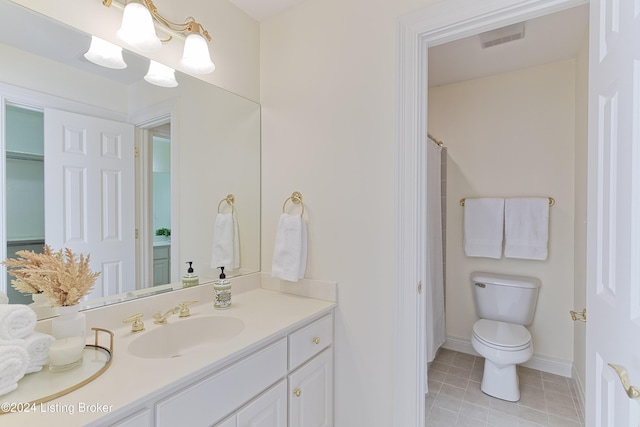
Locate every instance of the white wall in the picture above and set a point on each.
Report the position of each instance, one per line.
(234, 48)
(512, 135)
(328, 102)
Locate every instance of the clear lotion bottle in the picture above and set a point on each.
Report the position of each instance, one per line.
(222, 292)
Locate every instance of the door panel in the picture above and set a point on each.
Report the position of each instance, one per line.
(613, 251)
(89, 195)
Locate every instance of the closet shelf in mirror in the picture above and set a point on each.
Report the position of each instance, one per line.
(15, 155)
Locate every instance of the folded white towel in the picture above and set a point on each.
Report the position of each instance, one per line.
(37, 345)
(3, 298)
(16, 321)
(526, 228)
(226, 245)
(483, 227)
(13, 365)
(290, 250)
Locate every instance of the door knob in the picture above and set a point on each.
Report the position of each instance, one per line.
(297, 392)
(632, 391)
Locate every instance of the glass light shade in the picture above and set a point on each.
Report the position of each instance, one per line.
(161, 75)
(106, 54)
(137, 28)
(195, 57)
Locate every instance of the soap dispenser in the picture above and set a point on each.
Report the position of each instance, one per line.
(222, 292)
(190, 279)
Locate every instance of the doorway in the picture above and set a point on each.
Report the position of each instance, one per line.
(417, 32)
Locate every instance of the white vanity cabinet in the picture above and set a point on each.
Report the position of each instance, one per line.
(311, 375)
(287, 382)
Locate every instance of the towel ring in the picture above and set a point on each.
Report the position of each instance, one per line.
(296, 198)
(230, 199)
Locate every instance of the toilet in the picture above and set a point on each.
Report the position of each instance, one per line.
(504, 303)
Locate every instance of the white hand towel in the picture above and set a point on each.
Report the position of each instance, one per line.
(290, 250)
(3, 298)
(37, 345)
(526, 228)
(226, 247)
(16, 321)
(483, 227)
(13, 365)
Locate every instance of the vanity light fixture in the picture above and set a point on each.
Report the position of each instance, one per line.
(161, 75)
(138, 31)
(106, 54)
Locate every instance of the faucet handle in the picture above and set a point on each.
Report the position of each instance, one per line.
(184, 308)
(136, 322)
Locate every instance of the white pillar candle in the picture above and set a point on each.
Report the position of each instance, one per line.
(65, 351)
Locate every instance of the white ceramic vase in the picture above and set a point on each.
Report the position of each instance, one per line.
(69, 330)
(42, 306)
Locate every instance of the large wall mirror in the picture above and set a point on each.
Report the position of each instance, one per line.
(190, 147)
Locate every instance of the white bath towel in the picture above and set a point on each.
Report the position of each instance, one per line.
(13, 365)
(226, 245)
(483, 227)
(37, 345)
(526, 228)
(16, 321)
(290, 250)
(3, 298)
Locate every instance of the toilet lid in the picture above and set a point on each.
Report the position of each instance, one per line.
(502, 334)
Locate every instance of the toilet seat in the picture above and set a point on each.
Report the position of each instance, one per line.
(501, 335)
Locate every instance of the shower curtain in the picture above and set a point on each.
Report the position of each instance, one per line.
(435, 327)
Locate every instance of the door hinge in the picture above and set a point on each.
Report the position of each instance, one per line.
(136, 152)
(420, 287)
(136, 233)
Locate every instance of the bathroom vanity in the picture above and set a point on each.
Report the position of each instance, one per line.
(267, 360)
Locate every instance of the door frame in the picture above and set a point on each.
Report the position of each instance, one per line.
(415, 33)
(144, 121)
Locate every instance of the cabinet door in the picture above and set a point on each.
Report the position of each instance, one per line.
(311, 393)
(268, 410)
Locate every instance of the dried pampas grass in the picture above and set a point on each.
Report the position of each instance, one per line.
(63, 276)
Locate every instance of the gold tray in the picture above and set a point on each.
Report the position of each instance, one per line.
(43, 386)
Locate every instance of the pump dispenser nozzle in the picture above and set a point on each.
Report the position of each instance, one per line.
(222, 275)
(190, 269)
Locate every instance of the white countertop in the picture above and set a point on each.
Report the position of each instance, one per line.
(131, 380)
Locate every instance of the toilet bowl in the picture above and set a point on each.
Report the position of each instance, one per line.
(504, 304)
(503, 346)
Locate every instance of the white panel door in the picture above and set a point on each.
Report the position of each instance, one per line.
(613, 288)
(90, 194)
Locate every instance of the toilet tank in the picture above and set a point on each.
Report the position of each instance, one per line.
(505, 298)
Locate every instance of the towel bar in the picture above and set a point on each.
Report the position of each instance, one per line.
(230, 199)
(552, 201)
(296, 198)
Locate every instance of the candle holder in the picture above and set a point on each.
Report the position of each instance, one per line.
(69, 329)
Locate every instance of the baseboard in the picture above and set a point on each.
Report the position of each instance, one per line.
(539, 362)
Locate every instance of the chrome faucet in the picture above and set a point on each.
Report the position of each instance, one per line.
(161, 319)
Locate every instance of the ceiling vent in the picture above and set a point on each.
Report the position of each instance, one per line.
(502, 35)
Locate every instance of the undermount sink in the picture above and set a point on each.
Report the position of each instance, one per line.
(182, 336)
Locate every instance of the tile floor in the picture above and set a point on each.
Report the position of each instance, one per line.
(455, 399)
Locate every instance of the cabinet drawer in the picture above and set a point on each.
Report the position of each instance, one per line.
(209, 400)
(309, 341)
